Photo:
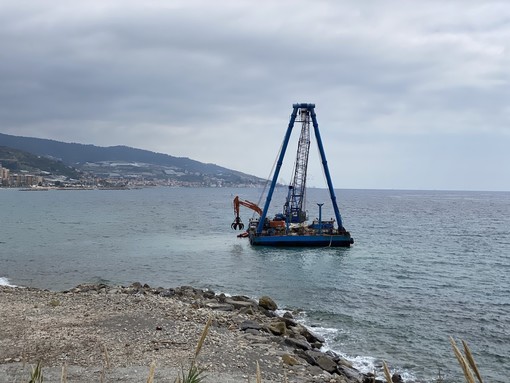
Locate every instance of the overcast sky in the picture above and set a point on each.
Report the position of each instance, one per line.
(408, 94)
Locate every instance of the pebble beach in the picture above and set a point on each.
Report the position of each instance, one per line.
(101, 333)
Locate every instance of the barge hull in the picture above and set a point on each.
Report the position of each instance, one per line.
(302, 240)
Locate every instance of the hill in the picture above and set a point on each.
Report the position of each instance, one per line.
(21, 161)
(123, 161)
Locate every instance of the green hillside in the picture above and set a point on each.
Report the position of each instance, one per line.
(17, 160)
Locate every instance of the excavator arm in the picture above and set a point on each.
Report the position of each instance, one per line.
(238, 224)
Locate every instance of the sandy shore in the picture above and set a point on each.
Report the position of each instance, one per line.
(97, 333)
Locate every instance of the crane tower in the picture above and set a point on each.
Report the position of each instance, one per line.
(293, 208)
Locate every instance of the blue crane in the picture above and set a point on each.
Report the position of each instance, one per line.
(293, 209)
(290, 228)
(295, 198)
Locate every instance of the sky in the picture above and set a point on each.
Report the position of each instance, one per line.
(408, 94)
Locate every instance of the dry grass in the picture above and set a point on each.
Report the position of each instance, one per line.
(152, 370)
(387, 374)
(467, 362)
(194, 373)
(37, 375)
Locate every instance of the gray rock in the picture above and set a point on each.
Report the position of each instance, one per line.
(305, 356)
(311, 336)
(219, 306)
(247, 310)
(209, 294)
(289, 360)
(297, 343)
(136, 285)
(350, 373)
(221, 298)
(315, 370)
(289, 322)
(167, 293)
(242, 298)
(238, 304)
(278, 328)
(326, 363)
(249, 324)
(267, 313)
(267, 303)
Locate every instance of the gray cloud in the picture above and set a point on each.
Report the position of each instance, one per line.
(393, 82)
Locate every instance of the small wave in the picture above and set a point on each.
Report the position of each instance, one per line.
(363, 363)
(5, 282)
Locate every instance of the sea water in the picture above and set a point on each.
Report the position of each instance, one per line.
(425, 265)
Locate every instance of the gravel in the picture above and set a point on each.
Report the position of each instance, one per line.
(98, 333)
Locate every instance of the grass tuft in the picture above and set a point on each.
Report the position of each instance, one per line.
(106, 357)
(259, 375)
(471, 361)
(63, 375)
(152, 370)
(194, 373)
(202, 338)
(467, 362)
(37, 375)
(387, 374)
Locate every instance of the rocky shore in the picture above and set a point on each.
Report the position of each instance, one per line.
(100, 333)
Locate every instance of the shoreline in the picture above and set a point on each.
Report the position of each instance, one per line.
(115, 333)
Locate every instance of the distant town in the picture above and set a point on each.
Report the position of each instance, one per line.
(34, 163)
(111, 175)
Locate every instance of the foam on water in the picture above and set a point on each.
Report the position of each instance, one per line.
(364, 364)
(5, 282)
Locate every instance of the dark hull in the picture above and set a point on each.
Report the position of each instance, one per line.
(302, 240)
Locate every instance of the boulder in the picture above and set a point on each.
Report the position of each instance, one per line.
(310, 335)
(278, 328)
(243, 298)
(289, 360)
(219, 306)
(304, 355)
(247, 310)
(298, 343)
(136, 285)
(239, 304)
(267, 313)
(326, 363)
(351, 374)
(167, 293)
(221, 298)
(249, 324)
(267, 303)
(209, 294)
(289, 322)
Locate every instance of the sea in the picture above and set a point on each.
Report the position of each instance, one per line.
(425, 265)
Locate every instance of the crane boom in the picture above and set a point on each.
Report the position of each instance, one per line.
(293, 208)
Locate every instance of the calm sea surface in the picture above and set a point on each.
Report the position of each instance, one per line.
(425, 265)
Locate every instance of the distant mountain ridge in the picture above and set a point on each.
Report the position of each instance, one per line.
(19, 161)
(78, 155)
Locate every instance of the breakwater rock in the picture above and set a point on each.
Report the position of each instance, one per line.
(114, 333)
